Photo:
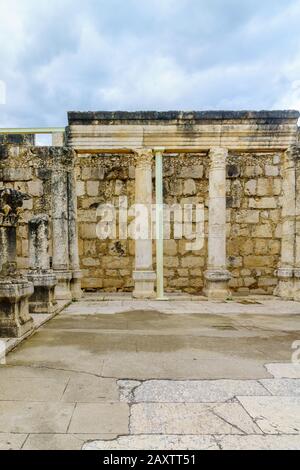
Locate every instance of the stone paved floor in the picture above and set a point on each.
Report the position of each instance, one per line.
(123, 374)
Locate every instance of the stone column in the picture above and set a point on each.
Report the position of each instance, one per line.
(216, 276)
(60, 238)
(144, 276)
(15, 290)
(285, 272)
(297, 228)
(73, 238)
(40, 275)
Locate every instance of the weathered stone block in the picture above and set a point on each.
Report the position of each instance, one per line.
(17, 174)
(170, 247)
(265, 187)
(92, 188)
(92, 173)
(247, 217)
(246, 247)
(35, 188)
(189, 188)
(80, 188)
(193, 171)
(170, 262)
(271, 170)
(250, 187)
(190, 262)
(258, 261)
(90, 262)
(262, 231)
(263, 203)
(88, 231)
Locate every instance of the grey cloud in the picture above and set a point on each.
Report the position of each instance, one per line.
(62, 55)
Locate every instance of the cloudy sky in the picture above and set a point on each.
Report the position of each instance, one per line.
(62, 55)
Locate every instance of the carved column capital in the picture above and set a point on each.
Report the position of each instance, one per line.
(143, 157)
(11, 202)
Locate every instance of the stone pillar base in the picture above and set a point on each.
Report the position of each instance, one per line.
(216, 284)
(144, 284)
(63, 286)
(42, 300)
(76, 285)
(15, 320)
(285, 286)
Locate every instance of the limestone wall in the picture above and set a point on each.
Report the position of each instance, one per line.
(254, 186)
(106, 264)
(253, 220)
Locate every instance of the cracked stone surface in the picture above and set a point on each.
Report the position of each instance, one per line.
(188, 391)
(274, 415)
(150, 442)
(127, 374)
(282, 387)
(191, 418)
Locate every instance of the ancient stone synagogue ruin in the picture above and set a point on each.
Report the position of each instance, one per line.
(243, 168)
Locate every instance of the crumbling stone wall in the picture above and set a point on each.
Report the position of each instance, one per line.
(106, 264)
(28, 169)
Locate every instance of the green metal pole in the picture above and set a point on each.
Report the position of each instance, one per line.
(159, 224)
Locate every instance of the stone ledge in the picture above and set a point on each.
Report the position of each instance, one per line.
(109, 117)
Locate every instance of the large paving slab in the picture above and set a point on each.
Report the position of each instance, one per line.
(274, 415)
(20, 417)
(9, 441)
(282, 387)
(288, 370)
(32, 389)
(152, 442)
(198, 391)
(108, 418)
(191, 418)
(84, 388)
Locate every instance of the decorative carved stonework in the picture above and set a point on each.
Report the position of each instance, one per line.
(143, 157)
(15, 291)
(11, 202)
